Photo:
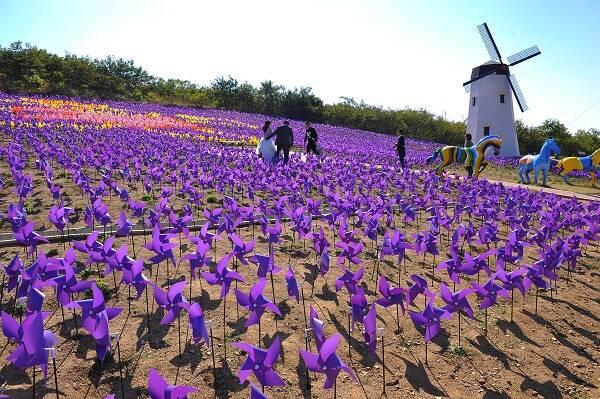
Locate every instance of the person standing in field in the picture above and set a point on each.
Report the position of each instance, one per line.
(469, 144)
(400, 147)
(266, 149)
(310, 138)
(284, 140)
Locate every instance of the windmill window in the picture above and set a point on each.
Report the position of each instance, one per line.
(486, 130)
(473, 101)
(501, 98)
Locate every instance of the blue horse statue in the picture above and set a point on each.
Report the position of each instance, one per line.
(539, 162)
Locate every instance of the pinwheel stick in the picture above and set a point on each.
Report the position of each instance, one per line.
(398, 318)
(485, 323)
(512, 298)
(426, 353)
(52, 353)
(179, 332)
(209, 325)
(381, 333)
(303, 305)
(147, 311)
(224, 326)
(459, 328)
(117, 337)
(33, 382)
(349, 332)
(274, 300)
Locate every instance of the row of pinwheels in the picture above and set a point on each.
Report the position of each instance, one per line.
(95, 315)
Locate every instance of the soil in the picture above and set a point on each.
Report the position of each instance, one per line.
(551, 353)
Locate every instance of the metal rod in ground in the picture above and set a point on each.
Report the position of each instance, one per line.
(179, 332)
(147, 312)
(55, 376)
(224, 326)
(120, 369)
(212, 349)
(383, 361)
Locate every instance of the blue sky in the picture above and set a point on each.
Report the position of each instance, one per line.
(390, 53)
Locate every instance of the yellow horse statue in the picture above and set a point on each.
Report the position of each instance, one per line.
(590, 163)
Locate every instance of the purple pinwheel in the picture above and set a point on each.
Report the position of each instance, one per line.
(198, 259)
(473, 265)
(133, 275)
(240, 248)
(535, 275)
(222, 276)
(33, 341)
(456, 301)
(489, 292)
(512, 280)
(172, 301)
(159, 389)
(349, 280)
(92, 309)
(101, 335)
(350, 252)
(324, 264)
(100, 211)
(35, 301)
(256, 302)
(370, 332)
(320, 242)
(358, 305)
(161, 246)
(453, 266)
(204, 236)
(391, 296)
(179, 224)
(13, 271)
(430, 319)
(266, 264)
(419, 287)
(396, 245)
(317, 327)
(198, 323)
(89, 246)
(260, 362)
(125, 225)
(326, 361)
(67, 285)
(292, 284)
(25, 235)
(59, 216)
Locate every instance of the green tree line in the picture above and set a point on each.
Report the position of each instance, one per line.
(28, 69)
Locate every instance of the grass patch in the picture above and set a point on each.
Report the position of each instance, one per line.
(458, 351)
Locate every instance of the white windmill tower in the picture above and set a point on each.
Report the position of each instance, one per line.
(490, 102)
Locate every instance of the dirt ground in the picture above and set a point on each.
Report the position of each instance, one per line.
(553, 353)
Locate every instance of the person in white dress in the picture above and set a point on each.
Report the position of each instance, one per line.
(266, 149)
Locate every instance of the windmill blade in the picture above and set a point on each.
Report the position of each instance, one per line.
(489, 42)
(523, 55)
(512, 81)
(467, 85)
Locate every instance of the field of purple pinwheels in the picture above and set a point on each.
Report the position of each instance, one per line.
(146, 251)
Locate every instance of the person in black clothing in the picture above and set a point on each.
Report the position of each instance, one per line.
(468, 144)
(400, 148)
(310, 138)
(284, 140)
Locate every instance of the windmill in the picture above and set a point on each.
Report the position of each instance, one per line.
(490, 103)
